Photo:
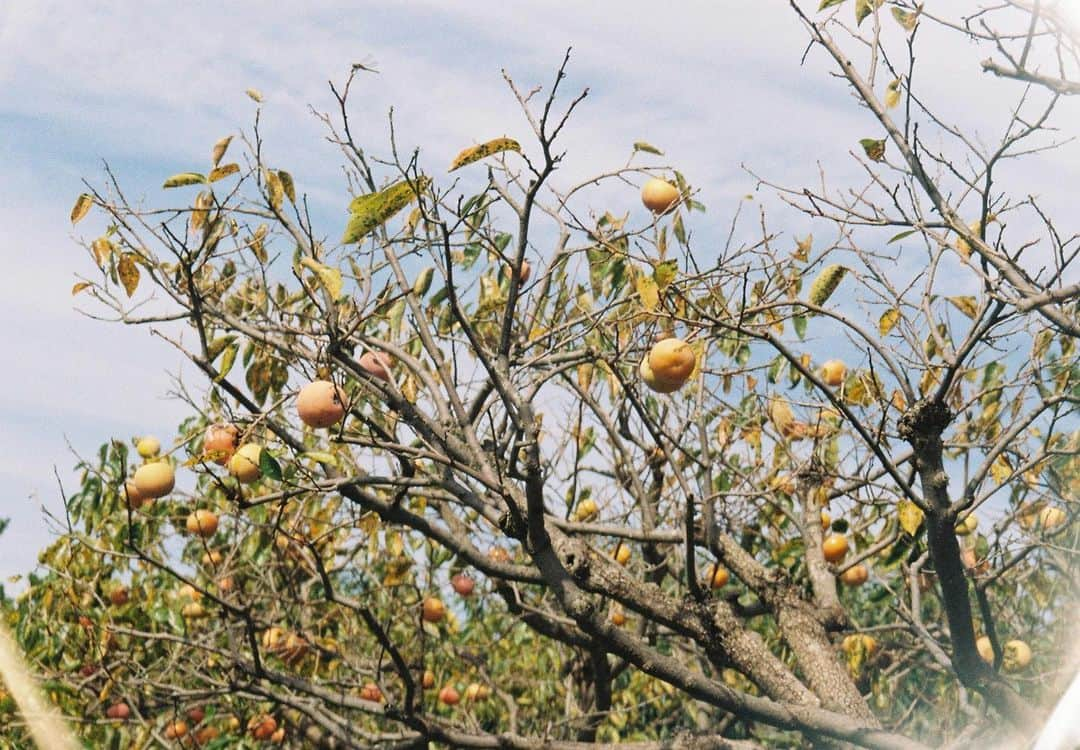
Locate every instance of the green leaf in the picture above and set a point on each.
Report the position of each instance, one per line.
(665, 273)
(329, 277)
(647, 148)
(423, 281)
(906, 19)
(901, 235)
(227, 361)
(874, 148)
(476, 153)
(184, 178)
(799, 321)
(829, 3)
(368, 212)
(81, 207)
(864, 8)
(269, 466)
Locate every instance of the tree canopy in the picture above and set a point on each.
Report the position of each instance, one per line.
(575, 470)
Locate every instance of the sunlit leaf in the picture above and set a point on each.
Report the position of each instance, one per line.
(275, 190)
(184, 178)
(368, 212)
(907, 19)
(255, 94)
(423, 281)
(80, 286)
(128, 271)
(864, 8)
(288, 185)
(476, 153)
(220, 173)
(81, 207)
(103, 248)
(825, 284)
(227, 361)
(1001, 470)
(665, 273)
(803, 247)
(910, 516)
(829, 3)
(892, 93)
(328, 276)
(965, 304)
(648, 291)
(888, 321)
(219, 149)
(901, 235)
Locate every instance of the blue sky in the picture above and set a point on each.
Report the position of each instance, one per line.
(150, 86)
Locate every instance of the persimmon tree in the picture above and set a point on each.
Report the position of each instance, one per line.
(853, 523)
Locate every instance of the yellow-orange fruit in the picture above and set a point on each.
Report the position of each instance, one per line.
(196, 714)
(220, 442)
(617, 617)
(856, 575)
(622, 554)
(449, 696)
(176, 729)
(131, 494)
(476, 692)
(967, 525)
(587, 510)
(432, 609)
(835, 548)
(155, 480)
(371, 692)
(148, 447)
(659, 195)
(278, 737)
(1051, 518)
(262, 727)
(868, 643)
(244, 465)
(193, 611)
(377, 364)
(668, 365)
(206, 735)
(213, 558)
(428, 680)
(202, 523)
(498, 555)
(320, 404)
(833, 372)
(462, 584)
(717, 576)
(119, 711)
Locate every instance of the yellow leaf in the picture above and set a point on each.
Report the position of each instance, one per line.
(81, 207)
(219, 148)
(287, 184)
(128, 272)
(79, 287)
(203, 201)
(220, 173)
(275, 190)
(888, 321)
(966, 305)
(892, 93)
(368, 212)
(910, 515)
(1000, 470)
(825, 284)
(648, 291)
(781, 415)
(397, 570)
(585, 375)
(476, 153)
(330, 277)
(184, 178)
(255, 94)
(102, 249)
(803, 246)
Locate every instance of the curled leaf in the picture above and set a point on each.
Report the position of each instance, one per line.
(81, 207)
(220, 173)
(423, 281)
(888, 321)
(219, 149)
(907, 19)
(103, 249)
(79, 287)
(287, 185)
(892, 93)
(864, 8)
(965, 304)
(647, 148)
(255, 94)
(476, 153)
(825, 284)
(184, 178)
(275, 191)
